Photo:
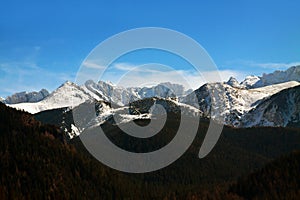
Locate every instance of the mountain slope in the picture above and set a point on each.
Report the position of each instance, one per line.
(281, 109)
(229, 104)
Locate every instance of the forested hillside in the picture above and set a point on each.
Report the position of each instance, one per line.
(38, 162)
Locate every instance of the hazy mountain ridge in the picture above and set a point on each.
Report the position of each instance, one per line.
(278, 76)
(22, 97)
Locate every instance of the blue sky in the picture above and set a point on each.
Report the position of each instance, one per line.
(43, 43)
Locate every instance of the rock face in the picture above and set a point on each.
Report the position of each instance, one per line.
(23, 97)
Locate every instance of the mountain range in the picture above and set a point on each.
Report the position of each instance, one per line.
(269, 100)
(38, 159)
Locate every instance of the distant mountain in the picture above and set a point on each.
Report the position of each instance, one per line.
(23, 97)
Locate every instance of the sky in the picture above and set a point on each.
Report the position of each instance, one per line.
(44, 43)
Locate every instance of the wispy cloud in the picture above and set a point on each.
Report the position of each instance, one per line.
(150, 74)
(124, 66)
(262, 65)
(93, 65)
(276, 66)
(149, 67)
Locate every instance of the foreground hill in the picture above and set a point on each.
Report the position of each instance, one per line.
(38, 163)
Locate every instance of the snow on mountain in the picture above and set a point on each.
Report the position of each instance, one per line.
(176, 89)
(111, 93)
(250, 81)
(291, 74)
(67, 95)
(141, 109)
(228, 104)
(23, 97)
(280, 109)
(123, 96)
(70, 95)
